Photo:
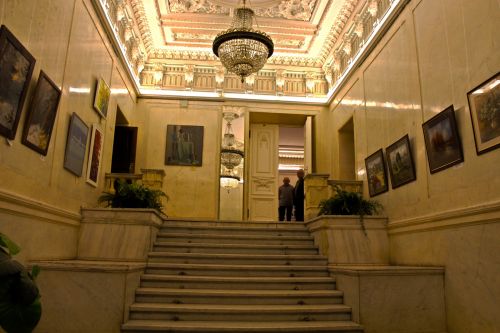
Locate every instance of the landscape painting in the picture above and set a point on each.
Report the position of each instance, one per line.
(400, 162)
(16, 68)
(484, 105)
(42, 114)
(442, 141)
(376, 173)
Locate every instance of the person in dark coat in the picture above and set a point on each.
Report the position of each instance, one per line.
(299, 196)
(286, 200)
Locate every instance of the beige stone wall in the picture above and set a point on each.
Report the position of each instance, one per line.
(193, 190)
(434, 53)
(69, 45)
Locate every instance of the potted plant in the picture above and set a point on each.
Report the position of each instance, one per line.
(133, 195)
(349, 203)
(20, 307)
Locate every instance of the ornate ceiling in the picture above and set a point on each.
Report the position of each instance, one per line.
(168, 43)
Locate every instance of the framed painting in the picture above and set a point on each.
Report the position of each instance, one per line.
(42, 114)
(16, 68)
(484, 105)
(376, 173)
(442, 141)
(76, 145)
(184, 145)
(400, 162)
(101, 99)
(95, 155)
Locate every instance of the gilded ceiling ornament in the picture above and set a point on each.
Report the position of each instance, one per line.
(196, 6)
(292, 10)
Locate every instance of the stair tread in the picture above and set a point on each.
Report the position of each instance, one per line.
(242, 246)
(223, 326)
(235, 308)
(238, 267)
(236, 255)
(218, 292)
(260, 279)
(221, 227)
(268, 237)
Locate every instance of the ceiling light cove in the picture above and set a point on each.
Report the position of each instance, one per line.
(166, 45)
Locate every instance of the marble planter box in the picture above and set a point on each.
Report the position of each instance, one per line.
(118, 234)
(86, 296)
(394, 299)
(343, 241)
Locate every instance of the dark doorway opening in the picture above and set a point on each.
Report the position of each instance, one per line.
(124, 146)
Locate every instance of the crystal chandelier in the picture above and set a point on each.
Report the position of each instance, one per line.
(231, 155)
(242, 49)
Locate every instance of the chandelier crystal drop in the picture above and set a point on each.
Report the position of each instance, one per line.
(242, 49)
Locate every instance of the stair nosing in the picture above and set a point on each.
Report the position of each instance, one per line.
(237, 255)
(260, 279)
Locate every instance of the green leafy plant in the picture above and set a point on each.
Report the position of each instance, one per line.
(20, 307)
(349, 203)
(133, 195)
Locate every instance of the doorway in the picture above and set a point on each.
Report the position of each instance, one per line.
(346, 151)
(124, 146)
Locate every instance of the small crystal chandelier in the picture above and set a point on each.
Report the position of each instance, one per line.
(241, 49)
(231, 155)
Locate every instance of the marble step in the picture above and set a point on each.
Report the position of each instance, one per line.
(238, 297)
(237, 283)
(236, 270)
(230, 230)
(235, 239)
(237, 259)
(146, 326)
(234, 248)
(241, 224)
(257, 313)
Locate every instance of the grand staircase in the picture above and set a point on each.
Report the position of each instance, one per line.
(237, 277)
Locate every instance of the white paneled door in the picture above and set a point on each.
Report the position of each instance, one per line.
(263, 178)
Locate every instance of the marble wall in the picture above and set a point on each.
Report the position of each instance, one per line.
(69, 45)
(434, 53)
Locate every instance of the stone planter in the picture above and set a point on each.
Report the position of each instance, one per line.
(118, 234)
(343, 241)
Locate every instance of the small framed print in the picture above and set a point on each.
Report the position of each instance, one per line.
(42, 115)
(101, 99)
(76, 145)
(376, 173)
(16, 68)
(95, 155)
(442, 141)
(400, 162)
(484, 105)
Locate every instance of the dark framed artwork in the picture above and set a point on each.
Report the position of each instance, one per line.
(400, 162)
(376, 173)
(95, 155)
(16, 68)
(76, 145)
(442, 141)
(101, 99)
(184, 145)
(484, 105)
(42, 114)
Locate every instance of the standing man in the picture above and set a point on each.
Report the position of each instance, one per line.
(299, 196)
(286, 200)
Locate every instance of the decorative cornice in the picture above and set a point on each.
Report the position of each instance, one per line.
(142, 23)
(340, 21)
